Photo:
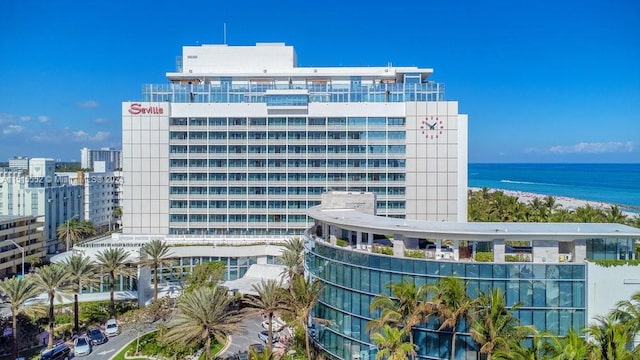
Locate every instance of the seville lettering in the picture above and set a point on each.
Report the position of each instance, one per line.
(137, 109)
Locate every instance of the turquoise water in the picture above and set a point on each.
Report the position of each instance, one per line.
(609, 183)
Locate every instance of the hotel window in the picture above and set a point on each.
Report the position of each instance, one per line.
(314, 121)
(198, 204)
(297, 121)
(217, 149)
(237, 163)
(257, 149)
(277, 163)
(198, 190)
(178, 121)
(277, 177)
(178, 176)
(257, 135)
(212, 162)
(237, 190)
(178, 204)
(217, 204)
(297, 135)
(257, 204)
(178, 163)
(277, 121)
(257, 190)
(234, 204)
(337, 121)
(237, 135)
(257, 177)
(277, 204)
(217, 121)
(396, 163)
(237, 176)
(357, 121)
(237, 217)
(217, 190)
(395, 121)
(277, 190)
(198, 149)
(277, 135)
(317, 135)
(217, 135)
(178, 190)
(237, 121)
(257, 121)
(198, 135)
(178, 135)
(336, 135)
(198, 121)
(277, 149)
(178, 218)
(178, 149)
(257, 218)
(198, 176)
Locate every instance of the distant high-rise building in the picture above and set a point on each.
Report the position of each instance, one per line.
(19, 163)
(112, 158)
(21, 239)
(242, 141)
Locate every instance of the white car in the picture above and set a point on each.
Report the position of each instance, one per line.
(111, 327)
(81, 346)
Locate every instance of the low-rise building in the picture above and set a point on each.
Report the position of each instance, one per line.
(21, 240)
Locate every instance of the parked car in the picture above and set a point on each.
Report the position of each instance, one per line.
(264, 336)
(242, 355)
(111, 327)
(60, 352)
(81, 346)
(97, 337)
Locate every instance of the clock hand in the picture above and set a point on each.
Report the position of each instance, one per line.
(432, 127)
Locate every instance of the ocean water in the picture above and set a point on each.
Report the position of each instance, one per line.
(608, 183)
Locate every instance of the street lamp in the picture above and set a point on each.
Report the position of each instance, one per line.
(22, 250)
(67, 235)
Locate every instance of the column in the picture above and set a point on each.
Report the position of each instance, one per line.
(498, 250)
(358, 239)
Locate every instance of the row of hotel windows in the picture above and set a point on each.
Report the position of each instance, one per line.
(260, 204)
(196, 229)
(291, 135)
(260, 190)
(284, 149)
(280, 176)
(373, 163)
(291, 121)
(205, 218)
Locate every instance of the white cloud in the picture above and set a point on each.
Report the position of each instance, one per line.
(43, 118)
(100, 121)
(6, 118)
(82, 135)
(25, 118)
(593, 148)
(12, 129)
(89, 104)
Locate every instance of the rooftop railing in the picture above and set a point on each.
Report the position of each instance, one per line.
(257, 93)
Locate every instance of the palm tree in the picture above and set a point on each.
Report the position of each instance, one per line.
(117, 213)
(570, 347)
(392, 345)
(494, 326)
(156, 254)
(18, 290)
(74, 230)
(406, 307)
(613, 214)
(202, 314)
(114, 262)
(81, 273)
(292, 257)
(304, 295)
(452, 305)
(48, 279)
(610, 340)
(271, 298)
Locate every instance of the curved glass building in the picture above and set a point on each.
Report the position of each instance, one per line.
(555, 284)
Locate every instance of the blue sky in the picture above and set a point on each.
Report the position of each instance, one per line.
(542, 81)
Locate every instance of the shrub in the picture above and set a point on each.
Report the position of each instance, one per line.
(341, 242)
(417, 254)
(484, 256)
(384, 250)
(516, 258)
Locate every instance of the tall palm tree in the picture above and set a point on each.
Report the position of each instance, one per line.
(156, 253)
(203, 314)
(613, 214)
(570, 347)
(49, 279)
(18, 290)
(271, 298)
(114, 262)
(494, 326)
(292, 257)
(392, 345)
(407, 306)
(304, 295)
(628, 312)
(82, 273)
(74, 230)
(452, 305)
(611, 339)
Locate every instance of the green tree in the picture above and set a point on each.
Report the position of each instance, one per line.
(18, 290)
(303, 297)
(114, 262)
(82, 273)
(74, 230)
(407, 306)
(270, 299)
(613, 214)
(155, 254)
(570, 347)
(610, 339)
(392, 345)
(203, 314)
(494, 326)
(208, 274)
(452, 305)
(49, 279)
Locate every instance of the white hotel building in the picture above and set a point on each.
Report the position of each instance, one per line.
(242, 141)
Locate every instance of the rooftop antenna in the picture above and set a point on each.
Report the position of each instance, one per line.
(224, 33)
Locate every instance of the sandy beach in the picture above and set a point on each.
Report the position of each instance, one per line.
(566, 202)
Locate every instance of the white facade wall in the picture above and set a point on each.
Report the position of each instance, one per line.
(102, 192)
(19, 163)
(608, 285)
(112, 158)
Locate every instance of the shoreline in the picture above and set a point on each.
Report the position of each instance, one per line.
(566, 202)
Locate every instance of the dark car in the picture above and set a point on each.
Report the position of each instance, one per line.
(60, 352)
(97, 337)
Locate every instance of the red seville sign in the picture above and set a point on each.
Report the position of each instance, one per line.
(137, 109)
